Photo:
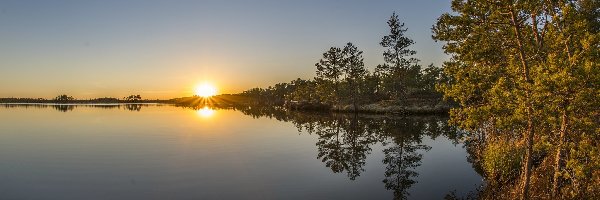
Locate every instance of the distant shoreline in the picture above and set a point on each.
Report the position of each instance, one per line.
(80, 103)
(413, 107)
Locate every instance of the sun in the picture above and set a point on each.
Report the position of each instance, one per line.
(206, 90)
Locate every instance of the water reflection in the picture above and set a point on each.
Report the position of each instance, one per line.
(205, 112)
(134, 107)
(345, 140)
(63, 108)
(402, 157)
(343, 143)
(71, 107)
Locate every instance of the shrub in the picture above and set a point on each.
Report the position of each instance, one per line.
(502, 161)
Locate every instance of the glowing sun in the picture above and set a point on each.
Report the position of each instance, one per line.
(206, 90)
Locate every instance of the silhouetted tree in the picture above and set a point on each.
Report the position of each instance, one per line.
(133, 98)
(330, 68)
(64, 98)
(355, 72)
(342, 65)
(400, 70)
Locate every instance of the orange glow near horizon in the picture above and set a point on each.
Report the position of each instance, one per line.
(205, 90)
(205, 112)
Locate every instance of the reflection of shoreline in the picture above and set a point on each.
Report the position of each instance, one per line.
(344, 141)
(76, 104)
(71, 106)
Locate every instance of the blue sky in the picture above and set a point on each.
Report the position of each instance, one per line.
(162, 49)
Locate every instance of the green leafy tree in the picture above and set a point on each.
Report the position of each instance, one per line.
(523, 66)
(569, 79)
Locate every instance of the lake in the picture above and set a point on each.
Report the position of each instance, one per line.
(168, 152)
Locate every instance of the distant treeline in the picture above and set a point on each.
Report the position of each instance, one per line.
(342, 82)
(70, 99)
(71, 107)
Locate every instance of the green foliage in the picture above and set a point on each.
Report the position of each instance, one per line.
(502, 161)
(583, 170)
(527, 67)
(430, 77)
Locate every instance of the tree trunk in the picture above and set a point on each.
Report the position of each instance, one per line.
(560, 155)
(355, 99)
(526, 173)
(336, 92)
(529, 133)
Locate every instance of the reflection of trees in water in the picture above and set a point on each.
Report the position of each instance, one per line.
(403, 139)
(63, 108)
(401, 156)
(345, 140)
(402, 159)
(343, 144)
(71, 107)
(133, 107)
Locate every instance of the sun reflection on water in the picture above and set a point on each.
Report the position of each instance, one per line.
(205, 112)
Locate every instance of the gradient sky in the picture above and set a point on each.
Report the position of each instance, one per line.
(162, 49)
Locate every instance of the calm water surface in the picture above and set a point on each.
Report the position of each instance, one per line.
(167, 152)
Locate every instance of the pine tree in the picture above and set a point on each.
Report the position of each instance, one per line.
(400, 70)
(355, 72)
(527, 66)
(330, 68)
(343, 64)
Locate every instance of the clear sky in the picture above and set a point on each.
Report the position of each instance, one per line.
(162, 49)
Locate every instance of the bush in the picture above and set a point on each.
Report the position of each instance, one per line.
(502, 161)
